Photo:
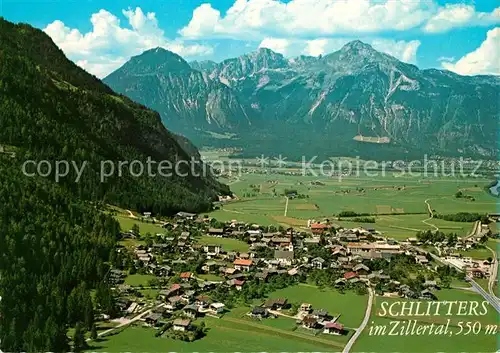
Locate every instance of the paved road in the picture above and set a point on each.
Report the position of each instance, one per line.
(360, 329)
(476, 230)
(128, 322)
(494, 301)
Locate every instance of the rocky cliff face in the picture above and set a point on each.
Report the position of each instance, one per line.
(354, 94)
(185, 98)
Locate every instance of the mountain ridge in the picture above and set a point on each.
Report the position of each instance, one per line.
(353, 91)
(55, 110)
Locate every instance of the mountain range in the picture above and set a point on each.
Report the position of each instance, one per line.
(355, 101)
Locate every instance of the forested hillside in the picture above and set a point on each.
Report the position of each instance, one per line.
(53, 110)
(53, 251)
(54, 240)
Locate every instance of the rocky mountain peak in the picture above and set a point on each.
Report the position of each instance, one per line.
(268, 59)
(356, 55)
(353, 91)
(358, 46)
(156, 60)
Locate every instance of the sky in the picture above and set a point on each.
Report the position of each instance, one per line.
(460, 36)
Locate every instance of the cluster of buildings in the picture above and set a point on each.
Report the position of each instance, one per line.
(288, 252)
(307, 317)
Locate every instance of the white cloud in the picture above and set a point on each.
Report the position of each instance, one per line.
(101, 66)
(108, 45)
(323, 46)
(258, 19)
(460, 15)
(292, 47)
(278, 45)
(485, 60)
(316, 47)
(402, 50)
(446, 58)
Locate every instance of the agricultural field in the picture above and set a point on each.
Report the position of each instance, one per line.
(451, 342)
(396, 202)
(482, 253)
(224, 335)
(227, 244)
(237, 332)
(350, 306)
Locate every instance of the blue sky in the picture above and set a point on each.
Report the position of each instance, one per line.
(462, 36)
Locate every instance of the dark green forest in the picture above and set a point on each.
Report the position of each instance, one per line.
(54, 249)
(54, 239)
(53, 110)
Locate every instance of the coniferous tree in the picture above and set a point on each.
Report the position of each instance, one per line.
(79, 343)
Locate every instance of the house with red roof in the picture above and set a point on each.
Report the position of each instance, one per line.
(319, 228)
(243, 264)
(333, 328)
(186, 276)
(350, 275)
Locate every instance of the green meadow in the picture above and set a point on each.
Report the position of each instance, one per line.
(227, 244)
(237, 332)
(223, 335)
(126, 224)
(397, 203)
(350, 306)
(136, 280)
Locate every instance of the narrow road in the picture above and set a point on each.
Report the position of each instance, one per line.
(360, 329)
(131, 215)
(279, 313)
(493, 274)
(493, 300)
(476, 229)
(286, 207)
(128, 322)
(431, 214)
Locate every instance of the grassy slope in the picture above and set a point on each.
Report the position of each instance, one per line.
(126, 224)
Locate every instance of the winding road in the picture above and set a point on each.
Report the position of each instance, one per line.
(493, 274)
(131, 214)
(360, 329)
(431, 214)
(126, 322)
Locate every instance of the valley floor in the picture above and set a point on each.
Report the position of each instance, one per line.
(399, 208)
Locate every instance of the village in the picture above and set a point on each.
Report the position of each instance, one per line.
(196, 279)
